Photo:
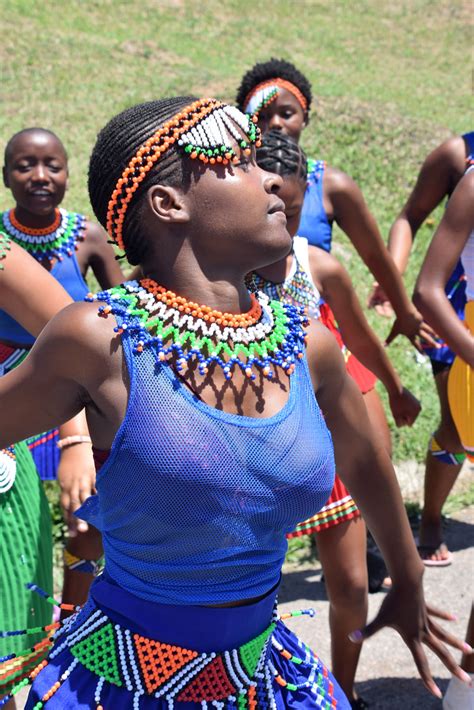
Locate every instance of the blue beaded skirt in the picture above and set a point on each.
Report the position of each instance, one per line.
(123, 652)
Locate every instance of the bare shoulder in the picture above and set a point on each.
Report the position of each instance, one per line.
(95, 233)
(78, 338)
(337, 182)
(451, 153)
(323, 264)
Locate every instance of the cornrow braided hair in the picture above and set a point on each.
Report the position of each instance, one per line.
(138, 149)
(274, 68)
(281, 154)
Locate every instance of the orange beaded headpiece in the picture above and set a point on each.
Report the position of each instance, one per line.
(204, 129)
(264, 93)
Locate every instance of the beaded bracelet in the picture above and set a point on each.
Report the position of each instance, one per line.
(74, 439)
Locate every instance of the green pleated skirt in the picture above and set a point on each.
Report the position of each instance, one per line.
(25, 556)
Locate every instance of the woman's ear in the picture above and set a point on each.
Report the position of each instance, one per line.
(169, 204)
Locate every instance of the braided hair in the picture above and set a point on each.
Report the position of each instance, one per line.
(282, 155)
(270, 70)
(116, 143)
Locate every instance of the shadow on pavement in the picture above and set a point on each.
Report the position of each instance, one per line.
(459, 535)
(302, 584)
(398, 693)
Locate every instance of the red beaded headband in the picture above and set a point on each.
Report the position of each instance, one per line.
(262, 94)
(202, 130)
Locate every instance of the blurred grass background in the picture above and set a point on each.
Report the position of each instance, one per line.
(390, 82)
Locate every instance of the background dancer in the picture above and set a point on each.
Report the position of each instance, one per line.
(67, 244)
(438, 177)
(454, 240)
(311, 278)
(25, 519)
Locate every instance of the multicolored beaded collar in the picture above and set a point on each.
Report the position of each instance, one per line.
(205, 130)
(264, 93)
(50, 244)
(297, 289)
(269, 334)
(7, 469)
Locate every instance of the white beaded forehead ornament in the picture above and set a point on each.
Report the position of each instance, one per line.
(205, 130)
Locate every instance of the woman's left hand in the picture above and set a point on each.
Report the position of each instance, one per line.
(418, 332)
(76, 477)
(404, 609)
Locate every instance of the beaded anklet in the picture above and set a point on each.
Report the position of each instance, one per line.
(7, 469)
(270, 334)
(52, 243)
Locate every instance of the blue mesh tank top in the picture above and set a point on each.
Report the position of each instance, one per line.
(314, 224)
(194, 503)
(68, 273)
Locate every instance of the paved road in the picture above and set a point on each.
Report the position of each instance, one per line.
(387, 676)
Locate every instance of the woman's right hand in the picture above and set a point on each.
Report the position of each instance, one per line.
(379, 302)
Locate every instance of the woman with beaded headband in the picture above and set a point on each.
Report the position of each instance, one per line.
(280, 96)
(441, 171)
(67, 244)
(197, 413)
(25, 520)
(311, 278)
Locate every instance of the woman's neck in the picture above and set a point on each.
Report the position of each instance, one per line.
(227, 293)
(35, 221)
(277, 272)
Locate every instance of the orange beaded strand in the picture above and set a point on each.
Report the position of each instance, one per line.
(36, 232)
(206, 313)
(146, 157)
(283, 84)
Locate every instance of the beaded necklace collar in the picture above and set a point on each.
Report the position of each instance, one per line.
(50, 244)
(297, 289)
(269, 334)
(264, 93)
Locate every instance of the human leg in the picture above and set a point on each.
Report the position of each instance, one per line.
(440, 476)
(342, 552)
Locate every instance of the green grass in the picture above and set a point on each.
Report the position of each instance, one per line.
(390, 80)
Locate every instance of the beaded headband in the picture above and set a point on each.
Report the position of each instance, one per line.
(264, 93)
(203, 129)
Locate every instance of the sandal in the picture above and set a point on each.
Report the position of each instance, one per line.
(359, 704)
(425, 551)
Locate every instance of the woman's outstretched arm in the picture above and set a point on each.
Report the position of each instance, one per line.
(367, 471)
